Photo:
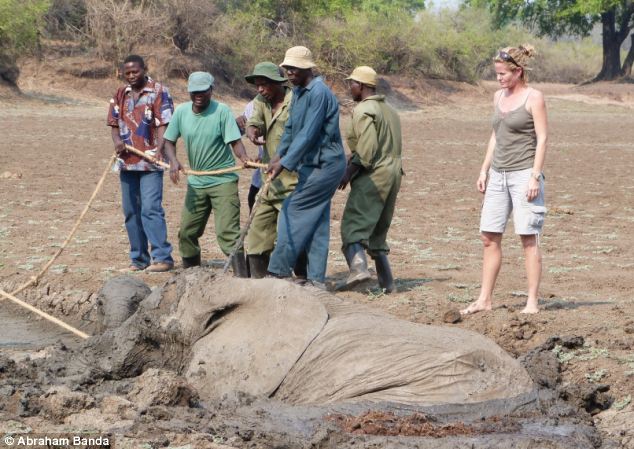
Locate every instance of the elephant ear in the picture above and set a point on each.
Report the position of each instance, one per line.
(250, 343)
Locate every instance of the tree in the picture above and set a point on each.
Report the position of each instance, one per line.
(20, 25)
(555, 18)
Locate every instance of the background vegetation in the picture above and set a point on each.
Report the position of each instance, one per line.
(20, 24)
(577, 18)
(397, 37)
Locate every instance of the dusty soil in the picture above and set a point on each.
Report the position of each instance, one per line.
(56, 147)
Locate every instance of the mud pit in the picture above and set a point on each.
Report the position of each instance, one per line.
(57, 147)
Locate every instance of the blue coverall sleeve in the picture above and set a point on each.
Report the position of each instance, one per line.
(310, 133)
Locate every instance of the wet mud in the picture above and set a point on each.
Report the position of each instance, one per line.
(21, 330)
(132, 382)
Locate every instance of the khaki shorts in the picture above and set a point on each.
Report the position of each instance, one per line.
(506, 193)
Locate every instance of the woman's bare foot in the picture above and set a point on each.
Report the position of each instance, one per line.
(475, 307)
(530, 309)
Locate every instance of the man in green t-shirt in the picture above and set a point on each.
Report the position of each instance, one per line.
(209, 130)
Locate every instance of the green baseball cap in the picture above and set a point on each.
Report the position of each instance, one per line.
(265, 70)
(200, 81)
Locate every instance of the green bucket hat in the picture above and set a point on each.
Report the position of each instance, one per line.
(265, 70)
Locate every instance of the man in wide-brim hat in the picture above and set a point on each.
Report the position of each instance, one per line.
(374, 173)
(311, 145)
(265, 127)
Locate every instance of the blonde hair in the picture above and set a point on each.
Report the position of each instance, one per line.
(521, 57)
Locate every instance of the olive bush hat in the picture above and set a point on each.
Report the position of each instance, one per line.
(299, 57)
(364, 75)
(200, 81)
(266, 70)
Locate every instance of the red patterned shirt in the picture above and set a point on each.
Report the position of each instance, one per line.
(138, 122)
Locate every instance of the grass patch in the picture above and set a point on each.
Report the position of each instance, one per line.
(447, 267)
(558, 270)
(622, 403)
(59, 269)
(423, 254)
(563, 356)
(413, 284)
(375, 293)
(464, 298)
(582, 354)
(593, 353)
(596, 376)
(604, 250)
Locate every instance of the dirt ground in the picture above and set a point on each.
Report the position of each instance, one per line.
(57, 145)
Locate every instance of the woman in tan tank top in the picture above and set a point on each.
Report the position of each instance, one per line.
(511, 177)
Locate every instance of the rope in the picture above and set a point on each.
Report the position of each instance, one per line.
(44, 315)
(35, 279)
(163, 164)
(261, 193)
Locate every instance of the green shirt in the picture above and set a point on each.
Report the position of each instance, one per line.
(271, 127)
(207, 136)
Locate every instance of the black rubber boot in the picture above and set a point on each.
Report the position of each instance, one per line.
(358, 264)
(384, 273)
(193, 261)
(258, 264)
(301, 268)
(239, 265)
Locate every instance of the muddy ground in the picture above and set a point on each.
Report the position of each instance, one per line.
(56, 147)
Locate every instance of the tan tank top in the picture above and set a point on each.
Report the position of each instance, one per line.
(515, 138)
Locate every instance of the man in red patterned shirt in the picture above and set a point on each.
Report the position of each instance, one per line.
(138, 116)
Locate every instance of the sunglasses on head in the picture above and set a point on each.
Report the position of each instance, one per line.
(504, 56)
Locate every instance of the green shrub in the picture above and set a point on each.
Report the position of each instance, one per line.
(20, 25)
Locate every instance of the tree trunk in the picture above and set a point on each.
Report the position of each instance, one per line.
(611, 68)
(629, 59)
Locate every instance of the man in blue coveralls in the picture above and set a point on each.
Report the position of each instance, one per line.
(311, 145)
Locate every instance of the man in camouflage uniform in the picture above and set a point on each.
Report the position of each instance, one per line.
(374, 172)
(265, 127)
